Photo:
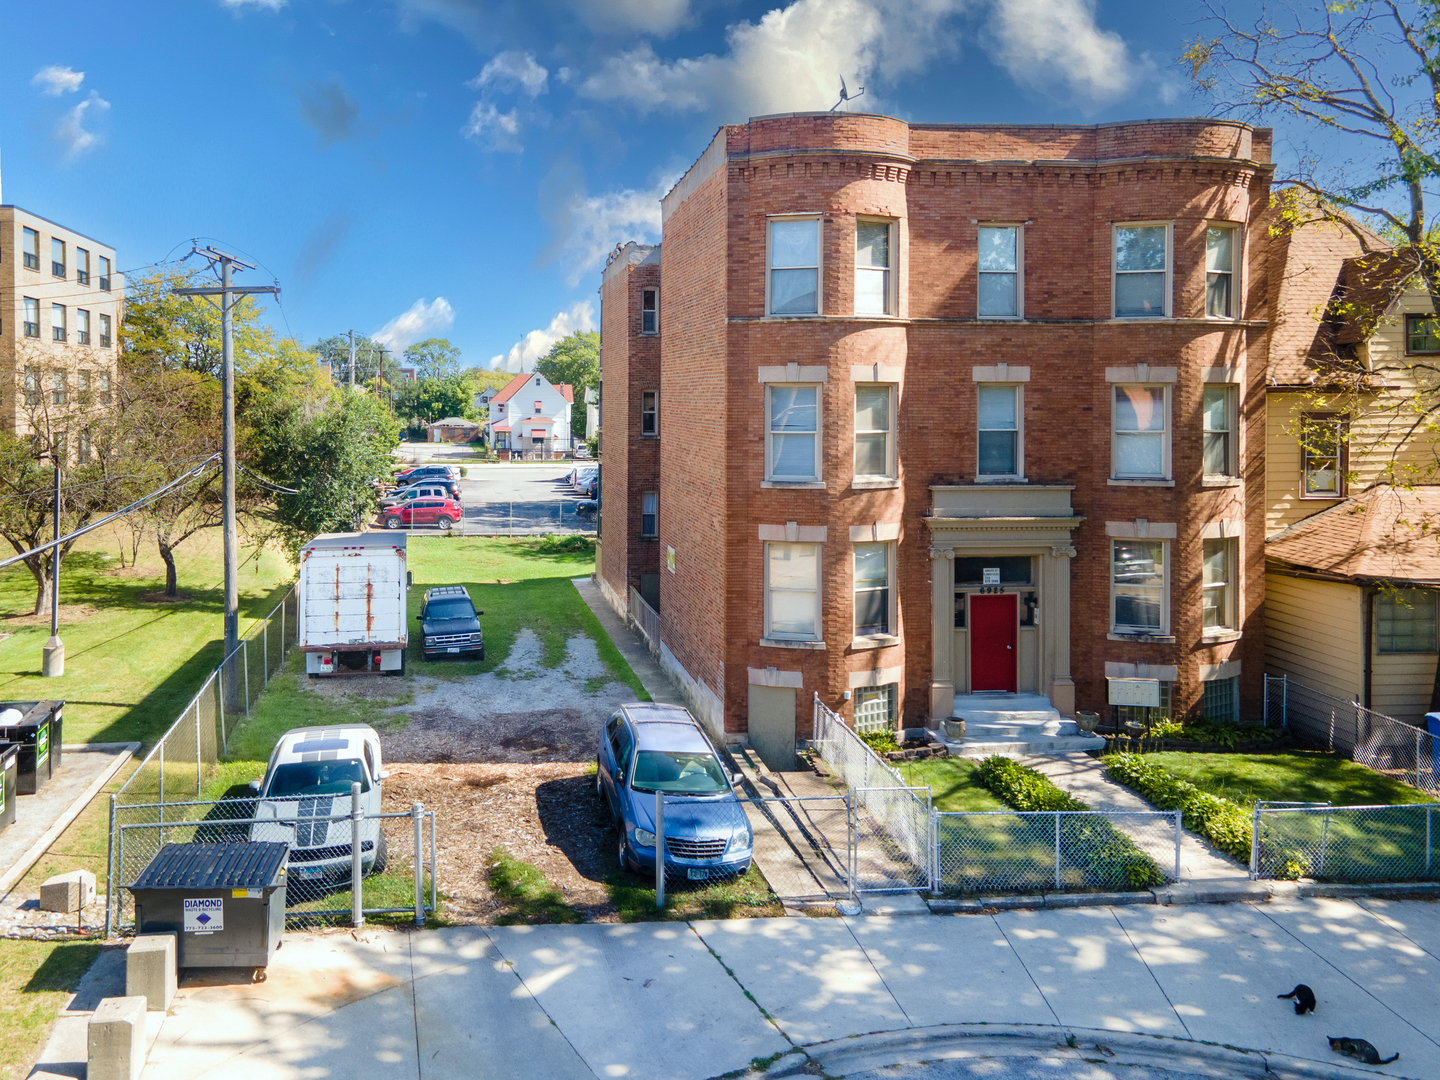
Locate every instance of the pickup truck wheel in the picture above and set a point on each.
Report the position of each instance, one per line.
(482, 652)
(392, 523)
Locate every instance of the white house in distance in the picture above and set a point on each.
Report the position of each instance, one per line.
(530, 417)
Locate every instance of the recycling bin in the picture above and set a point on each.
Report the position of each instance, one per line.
(225, 903)
(35, 725)
(9, 756)
(1432, 725)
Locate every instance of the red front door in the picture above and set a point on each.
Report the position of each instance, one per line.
(992, 642)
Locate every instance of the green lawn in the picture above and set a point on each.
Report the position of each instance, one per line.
(36, 978)
(954, 784)
(1291, 776)
(132, 661)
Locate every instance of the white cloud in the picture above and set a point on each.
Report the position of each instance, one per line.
(587, 227)
(793, 57)
(511, 71)
(54, 80)
(659, 17)
(419, 320)
(534, 345)
(1055, 45)
(70, 132)
(500, 131)
(240, 5)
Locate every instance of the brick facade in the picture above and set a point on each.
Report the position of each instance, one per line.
(1068, 186)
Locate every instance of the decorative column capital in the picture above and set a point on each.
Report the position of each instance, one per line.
(942, 553)
(1066, 551)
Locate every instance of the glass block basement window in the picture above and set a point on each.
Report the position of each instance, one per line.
(1221, 702)
(874, 708)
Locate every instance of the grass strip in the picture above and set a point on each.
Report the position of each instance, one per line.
(1102, 855)
(1224, 823)
(524, 890)
(744, 897)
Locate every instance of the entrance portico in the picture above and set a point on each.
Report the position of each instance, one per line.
(1001, 592)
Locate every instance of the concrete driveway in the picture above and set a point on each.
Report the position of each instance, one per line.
(1174, 990)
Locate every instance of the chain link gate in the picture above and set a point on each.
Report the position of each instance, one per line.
(1357, 844)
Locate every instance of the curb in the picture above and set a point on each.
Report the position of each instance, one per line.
(862, 1053)
(1182, 894)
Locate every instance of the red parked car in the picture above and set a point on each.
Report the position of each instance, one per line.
(441, 512)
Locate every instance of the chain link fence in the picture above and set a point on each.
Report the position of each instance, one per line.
(1345, 843)
(1014, 850)
(178, 766)
(325, 886)
(1388, 746)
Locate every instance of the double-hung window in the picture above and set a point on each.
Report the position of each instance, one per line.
(32, 385)
(57, 322)
(82, 266)
(1000, 254)
(57, 257)
(874, 254)
(649, 514)
(58, 388)
(1141, 432)
(792, 418)
(792, 591)
(1218, 412)
(649, 414)
(1405, 621)
(874, 431)
(82, 326)
(102, 387)
(30, 245)
(1422, 334)
(872, 590)
(1142, 271)
(1137, 587)
(82, 385)
(1220, 271)
(1322, 456)
(649, 311)
(1217, 590)
(104, 274)
(104, 331)
(998, 420)
(32, 317)
(794, 285)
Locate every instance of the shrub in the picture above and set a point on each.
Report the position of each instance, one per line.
(882, 742)
(1224, 823)
(1106, 854)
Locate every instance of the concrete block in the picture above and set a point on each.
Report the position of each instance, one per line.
(115, 1040)
(150, 969)
(68, 892)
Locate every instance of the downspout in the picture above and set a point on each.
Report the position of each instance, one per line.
(1368, 637)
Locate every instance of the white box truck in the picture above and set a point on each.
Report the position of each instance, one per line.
(352, 614)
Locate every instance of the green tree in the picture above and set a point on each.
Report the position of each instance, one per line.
(371, 359)
(434, 358)
(575, 359)
(426, 400)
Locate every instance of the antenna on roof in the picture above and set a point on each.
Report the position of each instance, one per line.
(845, 95)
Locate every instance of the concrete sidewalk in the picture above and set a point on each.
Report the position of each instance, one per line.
(1192, 989)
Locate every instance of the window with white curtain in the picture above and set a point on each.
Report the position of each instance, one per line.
(1217, 590)
(1220, 271)
(792, 591)
(1141, 433)
(792, 417)
(999, 263)
(872, 268)
(795, 266)
(649, 514)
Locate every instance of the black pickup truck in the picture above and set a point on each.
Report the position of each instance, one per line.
(450, 624)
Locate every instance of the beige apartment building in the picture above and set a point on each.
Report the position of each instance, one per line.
(61, 301)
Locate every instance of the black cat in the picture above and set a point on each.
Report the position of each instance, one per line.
(1360, 1050)
(1304, 999)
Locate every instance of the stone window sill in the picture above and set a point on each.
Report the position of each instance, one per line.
(1140, 483)
(803, 485)
(776, 643)
(1220, 482)
(1144, 639)
(874, 483)
(878, 641)
(1219, 637)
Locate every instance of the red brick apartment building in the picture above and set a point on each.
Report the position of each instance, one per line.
(908, 412)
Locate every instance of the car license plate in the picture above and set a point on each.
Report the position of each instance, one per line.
(696, 873)
(453, 648)
(310, 873)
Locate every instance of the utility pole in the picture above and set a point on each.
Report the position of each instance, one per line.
(52, 663)
(229, 295)
(352, 358)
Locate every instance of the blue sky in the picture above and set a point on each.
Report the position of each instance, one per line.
(460, 168)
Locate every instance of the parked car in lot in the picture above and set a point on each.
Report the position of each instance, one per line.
(586, 509)
(592, 489)
(440, 512)
(647, 747)
(450, 624)
(425, 489)
(309, 777)
(425, 472)
(584, 476)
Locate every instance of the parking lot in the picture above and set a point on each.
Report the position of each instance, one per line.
(528, 499)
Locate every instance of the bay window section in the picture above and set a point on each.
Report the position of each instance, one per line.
(872, 590)
(1137, 587)
(792, 416)
(792, 592)
(1218, 412)
(1142, 271)
(1141, 450)
(1217, 592)
(794, 284)
(1219, 271)
(873, 263)
(874, 430)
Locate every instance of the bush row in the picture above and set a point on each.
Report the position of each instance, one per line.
(1224, 823)
(1106, 855)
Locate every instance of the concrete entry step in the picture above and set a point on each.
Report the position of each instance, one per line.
(1014, 725)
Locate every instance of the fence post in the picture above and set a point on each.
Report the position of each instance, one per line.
(1179, 835)
(110, 861)
(1427, 835)
(220, 717)
(659, 849)
(246, 661)
(265, 639)
(197, 748)
(1057, 849)
(417, 816)
(357, 907)
(434, 904)
(934, 850)
(1255, 843)
(119, 873)
(851, 904)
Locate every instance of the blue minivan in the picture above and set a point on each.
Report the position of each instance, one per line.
(645, 748)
